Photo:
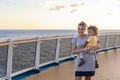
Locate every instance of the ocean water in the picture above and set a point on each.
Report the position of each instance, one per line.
(26, 33)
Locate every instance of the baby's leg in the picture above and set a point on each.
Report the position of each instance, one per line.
(82, 61)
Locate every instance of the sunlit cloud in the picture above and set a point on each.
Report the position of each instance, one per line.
(110, 13)
(118, 2)
(59, 7)
(54, 5)
(78, 5)
(74, 10)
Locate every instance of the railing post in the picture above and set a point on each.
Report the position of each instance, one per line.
(9, 60)
(72, 56)
(57, 50)
(37, 58)
(116, 40)
(71, 52)
(106, 44)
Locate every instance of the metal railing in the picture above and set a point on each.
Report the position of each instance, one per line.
(19, 55)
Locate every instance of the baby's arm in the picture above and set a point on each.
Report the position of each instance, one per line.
(86, 43)
(95, 47)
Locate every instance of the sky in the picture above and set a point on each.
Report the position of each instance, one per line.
(59, 14)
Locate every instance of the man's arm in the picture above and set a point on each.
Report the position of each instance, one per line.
(85, 44)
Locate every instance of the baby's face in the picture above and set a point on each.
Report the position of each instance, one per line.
(91, 32)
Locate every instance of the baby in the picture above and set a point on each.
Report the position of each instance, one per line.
(91, 42)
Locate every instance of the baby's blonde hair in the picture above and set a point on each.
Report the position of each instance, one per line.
(94, 29)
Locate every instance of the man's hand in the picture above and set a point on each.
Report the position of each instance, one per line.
(86, 50)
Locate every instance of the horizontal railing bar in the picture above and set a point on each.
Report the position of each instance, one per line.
(20, 42)
(43, 64)
(64, 58)
(42, 38)
(27, 41)
(22, 71)
(3, 78)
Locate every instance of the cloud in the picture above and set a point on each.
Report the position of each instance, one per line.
(78, 5)
(74, 10)
(54, 5)
(118, 2)
(59, 7)
(110, 13)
